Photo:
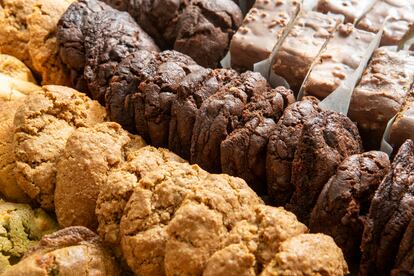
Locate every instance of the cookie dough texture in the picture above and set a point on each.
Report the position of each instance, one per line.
(71, 251)
(28, 33)
(391, 211)
(42, 126)
(90, 154)
(308, 254)
(20, 228)
(343, 205)
(326, 140)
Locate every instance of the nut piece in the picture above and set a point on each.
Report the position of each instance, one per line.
(42, 126)
(90, 154)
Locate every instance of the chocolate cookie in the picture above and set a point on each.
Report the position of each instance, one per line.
(326, 140)
(243, 152)
(71, 38)
(158, 18)
(404, 263)
(192, 92)
(131, 71)
(219, 115)
(282, 147)
(205, 28)
(110, 36)
(343, 204)
(389, 216)
(152, 103)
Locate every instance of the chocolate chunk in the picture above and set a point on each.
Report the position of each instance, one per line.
(192, 92)
(110, 36)
(282, 146)
(391, 211)
(152, 104)
(219, 115)
(243, 152)
(344, 203)
(205, 29)
(326, 140)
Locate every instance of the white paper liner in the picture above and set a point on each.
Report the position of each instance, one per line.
(226, 61)
(340, 99)
(385, 145)
(408, 40)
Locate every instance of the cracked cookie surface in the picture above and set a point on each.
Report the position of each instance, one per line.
(42, 126)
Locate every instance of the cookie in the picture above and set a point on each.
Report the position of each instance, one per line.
(89, 155)
(389, 216)
(70, 251)
(326, 140)
(343, 204)
(21, 227)
(281, 149)
(42, 126)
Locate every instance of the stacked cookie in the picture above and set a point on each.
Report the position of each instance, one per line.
(201, 29)
(150, 205)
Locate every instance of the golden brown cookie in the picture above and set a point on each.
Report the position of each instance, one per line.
(8, 185)
(42, 126)
(120, 185)
(308, 255)
(43, 47)
(90, 154)
(14, 68)
(14, 32)
(71, 251)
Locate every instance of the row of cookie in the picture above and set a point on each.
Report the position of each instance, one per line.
(163, 214)
(316, 54)
(366, 206)
(201, 29)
